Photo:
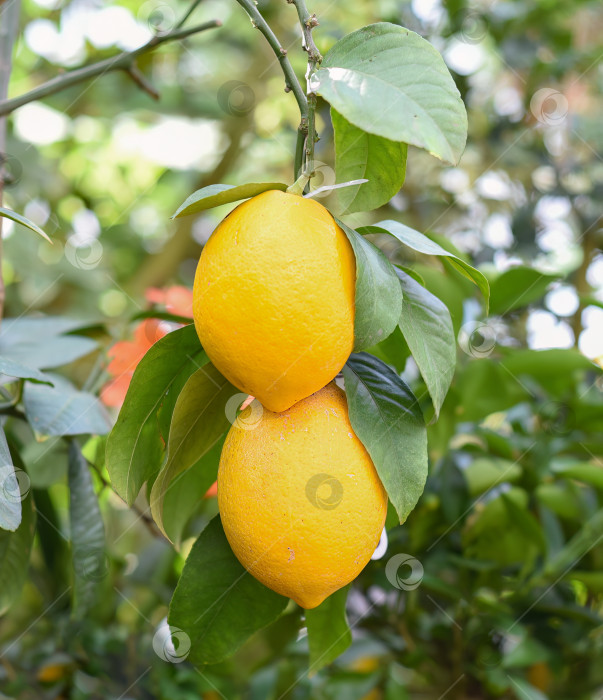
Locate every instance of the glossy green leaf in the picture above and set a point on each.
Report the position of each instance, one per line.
(427, 327)
(87, 534)
(518, 287)
(134, 447)
(217, 603)
(186, 491)
(359, 155)
(199, 420)
(10, 489)
(581, 471)
(215, 195)
(419, 242)
(16, 369)
(391, 82)
(15, 548)
(63, 410)
(329, 634)
(387, 419)
(19, 219)
(378, 293)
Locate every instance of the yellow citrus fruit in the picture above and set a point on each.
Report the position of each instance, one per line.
(273, 299)
(300, 500)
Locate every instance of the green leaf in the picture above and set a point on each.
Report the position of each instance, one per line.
(359, 155)
(134, 446)
(329, 634)
(63, 410)
(15, 548)
(387, 419)
(185, 492)
(16, 369)
(581, 471)
(217, 603)
(215, 195)
(518, 287)
(198, 422)
(427, 327)
(545, 364)
(417, 241)
(10, 489)
(525, 691)
(391, 82)
(378, 293)
(484, 473)
(87, 534)
(19, 219)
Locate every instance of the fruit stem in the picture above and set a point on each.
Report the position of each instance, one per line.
(308, 22)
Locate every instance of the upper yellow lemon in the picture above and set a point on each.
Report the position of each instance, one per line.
(274, 298)
(300, 500)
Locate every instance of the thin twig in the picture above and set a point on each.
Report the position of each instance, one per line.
(291, 81)
(308, 22)
(188, 13)
(123, 61)
(9, 25)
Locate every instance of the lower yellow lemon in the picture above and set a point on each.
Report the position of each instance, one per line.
(273, 299)
(300, 500)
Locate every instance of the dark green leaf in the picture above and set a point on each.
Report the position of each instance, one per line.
(417, 241)
(63, 410)
(198, 422)
(360, 155)
(387, 419)
(427, 327)
(16, 369)
(10, 489)
(15, 548)
(217, 603)
(518, 287)
(215, 195)
(378, 293)
(87, 534)
(134, 447)
(19, 219)
(391, 82)
(329, 634)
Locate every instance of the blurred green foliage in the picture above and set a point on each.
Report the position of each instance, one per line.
(508, 532)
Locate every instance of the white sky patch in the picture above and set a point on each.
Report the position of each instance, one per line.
(552, 208)
(494, 185)
(555, 237)
(497, 231)
(454, 180)
(591, 339)
(562, 301)
(174, 142)
(508, 102)
(546, 331)
(41, 125)
(594, 274)
(463, 57)
(428, 11)
(115, 26)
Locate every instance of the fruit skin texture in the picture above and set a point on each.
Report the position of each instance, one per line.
(300, 500)
(274, 298)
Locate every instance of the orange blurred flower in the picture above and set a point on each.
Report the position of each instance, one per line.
(126, 354)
